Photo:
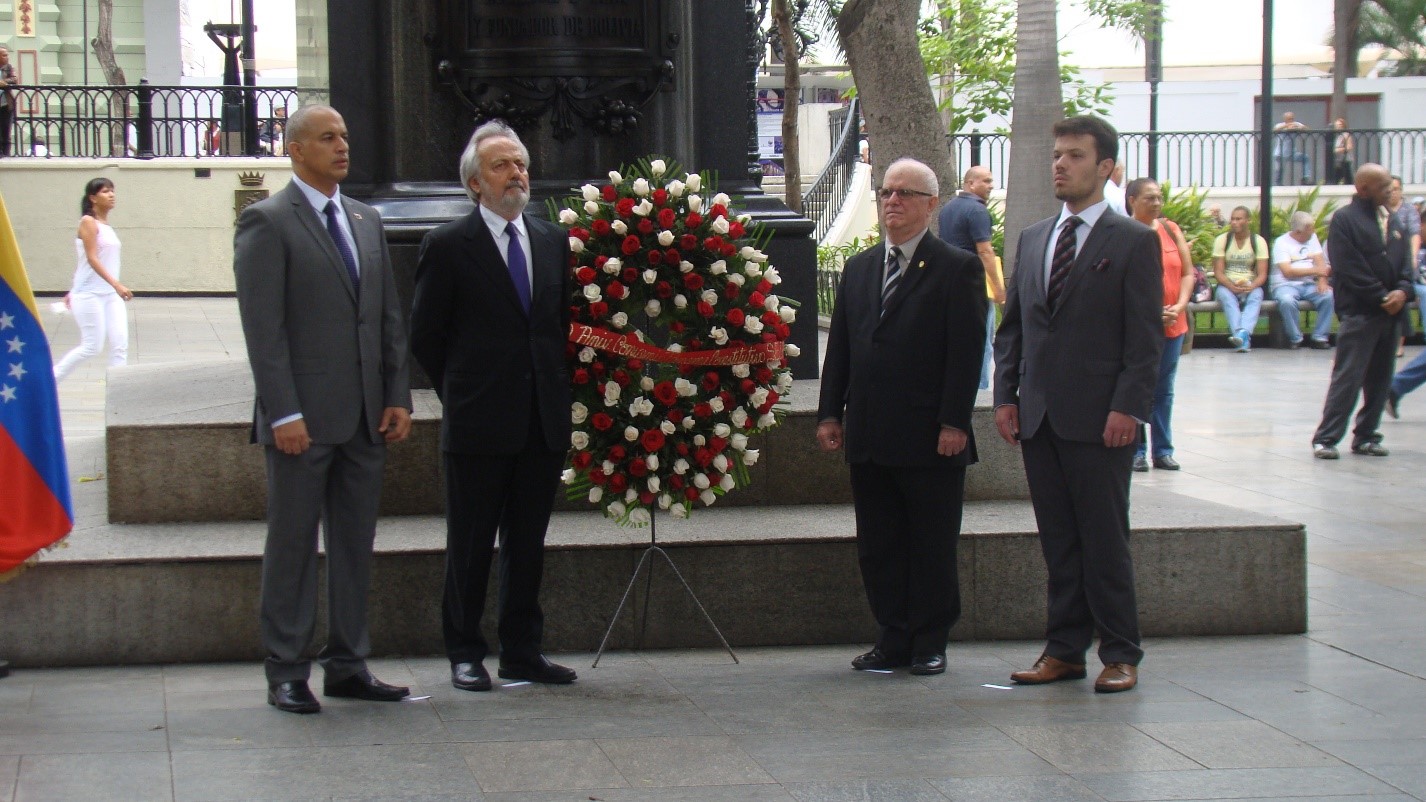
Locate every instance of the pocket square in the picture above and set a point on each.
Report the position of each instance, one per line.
(1100, 266)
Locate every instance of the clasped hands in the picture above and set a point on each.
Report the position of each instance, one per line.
(949, 443)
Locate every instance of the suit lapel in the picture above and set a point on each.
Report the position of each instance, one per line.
(543, 258)
(317, 227)
(911, 277)
(1034, 263)
(486, 260)
(1089, 255)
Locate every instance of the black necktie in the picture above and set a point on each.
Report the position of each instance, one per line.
(893, 276)
(341, 242)
(1062, 262)
(515, 260)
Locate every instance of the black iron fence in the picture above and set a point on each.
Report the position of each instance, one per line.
(823, 200)
(144, 121)
(1230, 158)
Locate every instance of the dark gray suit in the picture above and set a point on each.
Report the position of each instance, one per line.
(1097, 352)
(337, 356)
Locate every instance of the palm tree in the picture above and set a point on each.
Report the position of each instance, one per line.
(1399, 26)
(1038, 105)
(1346, 15)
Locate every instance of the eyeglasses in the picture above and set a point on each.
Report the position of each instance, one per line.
(886, 193)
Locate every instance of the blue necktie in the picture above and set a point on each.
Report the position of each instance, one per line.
(341, 242)
(515, 260)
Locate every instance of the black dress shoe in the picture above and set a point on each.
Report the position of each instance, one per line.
(877, 660)
(1166, 463)
(293, 697)
(362, 685)
(537, 670)
(1392, 399)
(928, 664)
(1141, 465)
(470, 677)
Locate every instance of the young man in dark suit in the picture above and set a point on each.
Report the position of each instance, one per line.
(1076, 362)
(327, 343)
(489, 323)
(898, 389)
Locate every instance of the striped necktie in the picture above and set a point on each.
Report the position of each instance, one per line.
(1062, 262)
(893, 276)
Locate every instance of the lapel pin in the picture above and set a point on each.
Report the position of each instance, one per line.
(357, 215)
(920, 265)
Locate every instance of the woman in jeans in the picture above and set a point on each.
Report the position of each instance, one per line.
(96, 297)
(1146, 202)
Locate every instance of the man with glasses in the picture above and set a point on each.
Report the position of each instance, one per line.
(898, 390)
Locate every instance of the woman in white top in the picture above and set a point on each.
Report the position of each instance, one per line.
(96, 297)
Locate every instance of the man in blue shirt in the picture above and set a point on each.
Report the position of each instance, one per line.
(965, 224)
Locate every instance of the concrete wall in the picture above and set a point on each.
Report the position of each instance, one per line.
(177, 228)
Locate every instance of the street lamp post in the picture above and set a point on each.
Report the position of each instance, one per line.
(1154, 73)
(1265, 132)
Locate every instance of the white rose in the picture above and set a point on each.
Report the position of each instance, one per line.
(727, 482)
(680, 302)
(748, 252)
(721, 463)
(596, 493)
(720, 336)
(567, 476)
(721, 430)
(568, 217)
(722, 198)
(653, 307)
(699, 440)
(685, 266)
(576, 245)
(684, 387)
(766, 421)
(607, 467)
(613, 266)
(791, 350)
(650, 276)
(688, 422)
(736, 278)
(630, 496)
(750, 457)
(665, 238)
(578, 413)
(646, 384)
(680, 467)
(788, 314)
(695, 181)
(716, 404)
(590, 192)
(665, 501)
(707, 497)
(675, 347)
(586, 355)
(619, 227)
(612, 391)
(639, 517)
(652, 462)
(631, 434)
(653, 484)
(638, 408)
(760, 257)
(579, 440)
(700, 481)
(742, 370)
(758, 397)
(657, 168)
(615, 509)
(709, 297)
(591, 292)
(641, 187)
(739, 441)
(754, 325)
(591, 208)
(784, 381)
(720, 225)
(718, 268)
(772, 276)
(678, 511)
(619, 320)
(771, 303)
(643, 208)
(667, 427)
(615, 178)
(751, 268)
(695, 203)
(675, 188)
(739, 417)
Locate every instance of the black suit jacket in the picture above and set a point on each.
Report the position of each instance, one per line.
(1099, 349)
(1364, 267)
(490, 363)
(895, 379)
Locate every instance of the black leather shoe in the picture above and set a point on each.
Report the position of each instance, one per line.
(1392, 399)
(1370, 449)
(877, 660)
(362, 685)
(470, 677)
(538, 670)
(1141, 465)
(1166, 463)
(928, 664)
(293, 697)
(1318, 345)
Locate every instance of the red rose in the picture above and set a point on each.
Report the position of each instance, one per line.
(599, 310)
(672, 256)
(727, 399)
(615, 290)
(599, 261)
(682, 449)
(638, 467)
(693, 220)
(621, 378)
(655, 257)
(646, 497)
(663, 289)
(771, 319)
(764, 286)
(660, 197)
(728, 250)
(693, 281)
(731, 291)
(631, 245)
(711, 380)
(597, 476)
(635, 365)
(600, 228)
(630, 275)
(702, 411)
(695, 344)
(618, 483)
(617, 454)
(735, 317)
(718, 210)
(747, 386)
(690, 493)
(767, 405)
(581, 376)
(645, 226)
(625, 207)
(676, 327)
(581, 460)
(688, 242)
(675, 415)
(609, 192)
(601, 421)
(717, 444)
(579, 233)
(703, 457)
(764, 375)
(667, 217)
(735, 229)
(756, 298)
(652, 440)
(714, 244)
(584, 275)
(675, 482)
(705, 309)
(665, 393)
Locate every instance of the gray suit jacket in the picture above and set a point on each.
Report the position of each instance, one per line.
(315, 345)
(1099, 350)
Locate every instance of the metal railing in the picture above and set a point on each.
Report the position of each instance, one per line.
(1229, 158)
(823, 200)
(145, 121)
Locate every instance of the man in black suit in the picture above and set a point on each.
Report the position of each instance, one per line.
(489, 323)
(1076, 361)
(899, 380)
(1371, 279)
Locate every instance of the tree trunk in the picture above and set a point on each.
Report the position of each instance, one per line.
(879, 38)
(1346, 15)
(1037, 107)
(103, 44)
(791, 98)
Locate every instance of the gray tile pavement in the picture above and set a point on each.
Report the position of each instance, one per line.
(1335, 714)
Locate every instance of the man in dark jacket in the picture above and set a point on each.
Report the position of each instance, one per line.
(1371, 278)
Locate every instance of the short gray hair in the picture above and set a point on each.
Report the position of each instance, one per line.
(1301, 220)
(470, 157)
(297, 123)
(933, 185)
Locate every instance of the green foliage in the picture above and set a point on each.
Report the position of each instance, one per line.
(1305, 202)
(1397, 25)
(997, 228)
(1185, 207)
(830, 260)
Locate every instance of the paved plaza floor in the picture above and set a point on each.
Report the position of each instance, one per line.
(1337, 713)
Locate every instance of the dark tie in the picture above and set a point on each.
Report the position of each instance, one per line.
(1062, 262)
(893, 276)
(515, 260)
(342, 247)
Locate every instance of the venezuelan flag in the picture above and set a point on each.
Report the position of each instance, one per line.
(35, 510)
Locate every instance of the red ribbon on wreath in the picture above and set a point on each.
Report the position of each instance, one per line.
(629, 345)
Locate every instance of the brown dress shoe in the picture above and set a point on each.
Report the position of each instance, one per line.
(1048, 669)
(1116, 677)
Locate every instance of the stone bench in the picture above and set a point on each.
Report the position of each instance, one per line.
(1276, 337)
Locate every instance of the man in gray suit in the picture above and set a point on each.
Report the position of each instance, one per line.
(327, 345)
(1076, 362)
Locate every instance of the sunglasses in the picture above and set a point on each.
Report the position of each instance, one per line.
(886, 193)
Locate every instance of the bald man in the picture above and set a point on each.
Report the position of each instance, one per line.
(1371, 278)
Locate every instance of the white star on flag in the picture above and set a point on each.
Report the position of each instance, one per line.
(6, 320)
(7, 393)
(16, 345)
(18, 370)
